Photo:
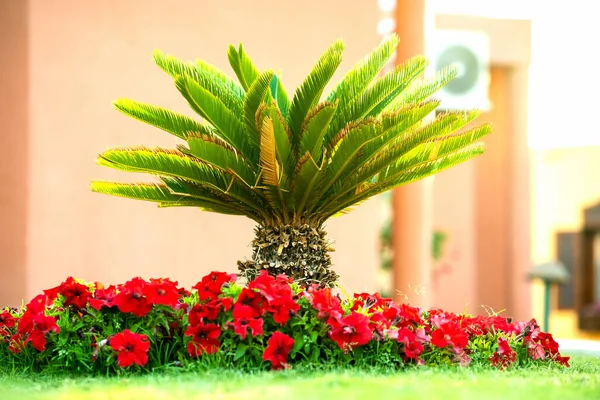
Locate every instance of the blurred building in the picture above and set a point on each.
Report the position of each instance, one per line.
(63, 62)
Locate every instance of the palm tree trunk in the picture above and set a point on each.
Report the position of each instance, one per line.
(298, 251)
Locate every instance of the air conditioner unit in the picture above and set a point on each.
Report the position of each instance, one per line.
(470, 51)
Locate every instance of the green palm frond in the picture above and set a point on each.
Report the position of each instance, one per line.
(218, 153)
(374, 99)
(280, 95)
(169, 121)
(309, 92)
(421, 90)
(243, 67)
(207, 76)
(211, 108)
(259, 154)
(159, 193)
(254, 98)
(314, 129)
(361, 75)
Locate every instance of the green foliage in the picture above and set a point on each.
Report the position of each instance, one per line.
(295, 160)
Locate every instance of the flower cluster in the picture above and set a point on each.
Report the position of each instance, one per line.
(271, 321)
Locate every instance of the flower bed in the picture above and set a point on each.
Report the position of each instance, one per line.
(268, 323)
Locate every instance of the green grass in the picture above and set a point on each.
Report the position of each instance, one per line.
(581, 381)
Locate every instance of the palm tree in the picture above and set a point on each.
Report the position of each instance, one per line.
(292, 164)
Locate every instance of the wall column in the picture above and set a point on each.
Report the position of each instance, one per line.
(411, 204)
(14, 72)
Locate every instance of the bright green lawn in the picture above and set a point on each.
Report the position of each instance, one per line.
(581, 381)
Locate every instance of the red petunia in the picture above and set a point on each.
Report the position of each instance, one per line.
(103, 297)
(37, 326)
(279, 295)
(253, 299)
(243, 320)
(209, 311)
(326, 303)
(278, 349)
(204, 339)
(73, 292)
(7, 321)
(505, 356)
(162, 291)
(411, 347)
(450, 334)
(351, 331)
(132, 348)
(132, 299)
(210, 286)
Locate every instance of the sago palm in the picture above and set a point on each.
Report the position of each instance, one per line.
(292, 163)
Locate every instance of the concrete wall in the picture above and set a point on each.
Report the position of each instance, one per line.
(84, 54)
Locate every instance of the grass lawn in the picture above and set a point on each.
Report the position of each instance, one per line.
(581, 381)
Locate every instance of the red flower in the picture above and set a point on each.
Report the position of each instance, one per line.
(210, 310)
(7, 321)
(162, 291)
(505, 356)
(451, 334)
(278, 293)
(253, 299)
(131, 298)
(351, 331)
(270, 287)
(278, 349)
(547, 342)
(562, 360)
(326, 303)
(37, 326)
(204, 339)
(411, 347)
(132, 348)
(103, 297)
(243, 320)
(210, 286)
(368, 302)
(74, 293)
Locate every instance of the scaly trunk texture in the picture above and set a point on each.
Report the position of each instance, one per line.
(298, 251)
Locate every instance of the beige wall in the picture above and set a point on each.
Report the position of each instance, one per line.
(13, 142)
(84, 54)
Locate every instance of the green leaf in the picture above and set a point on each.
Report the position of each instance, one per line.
(309, 92)
(314, 129)
(211, 108)
(421, 90)
(169, 121)
(175, 164)
(381, 92)
(157, 193)
(254, 98)
(407, 72)
(207, 76)
(242, 66)
(280, 95)
(298, 341)
(218, 153)
(282, 141)
(380, 160)
(423, 162)
(240, 351)
(306, 177)
(346, 149)
(361, 75)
